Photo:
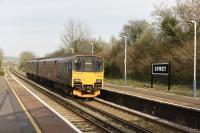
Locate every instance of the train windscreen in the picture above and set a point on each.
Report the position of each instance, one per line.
(88, 64)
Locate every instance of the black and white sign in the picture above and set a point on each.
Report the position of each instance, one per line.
(160, 68)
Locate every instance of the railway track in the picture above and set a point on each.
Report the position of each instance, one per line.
(117, 121)
(84, 124)
(123, 119)
(97, 121)
(128, 116)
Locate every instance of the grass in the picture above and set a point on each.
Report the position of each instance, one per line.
(176, 89)
(2, 72)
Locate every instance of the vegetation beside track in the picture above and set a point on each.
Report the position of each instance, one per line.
(176, 89)
(25, 56)
(2, 72)
(168, 39)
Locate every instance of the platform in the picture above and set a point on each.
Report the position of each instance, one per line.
(38, 116)
(178, 109)
(12, 117)
(169, 98)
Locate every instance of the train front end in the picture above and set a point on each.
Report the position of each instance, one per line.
(87, 76)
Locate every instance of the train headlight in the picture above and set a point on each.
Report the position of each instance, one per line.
(77, 80)
(98, 81)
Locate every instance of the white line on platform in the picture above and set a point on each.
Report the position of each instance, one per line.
(58, 114)
(34, 124)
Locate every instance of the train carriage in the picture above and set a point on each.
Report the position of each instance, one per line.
(31, 68)
(79, 75)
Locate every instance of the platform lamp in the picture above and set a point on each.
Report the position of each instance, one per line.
(125, 51)
(195, 49)
(92, 47)
(71, 50)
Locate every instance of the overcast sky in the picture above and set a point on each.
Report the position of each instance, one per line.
(36, 25)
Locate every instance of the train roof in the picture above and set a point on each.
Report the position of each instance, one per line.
(58, 58)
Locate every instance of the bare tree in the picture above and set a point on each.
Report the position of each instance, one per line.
(25, 56)
(77, 36)
(1, 57)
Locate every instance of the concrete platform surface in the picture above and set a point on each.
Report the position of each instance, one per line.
(43, 117)
(13, 119)
(173, 99)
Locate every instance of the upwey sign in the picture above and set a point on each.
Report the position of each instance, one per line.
(160, 69)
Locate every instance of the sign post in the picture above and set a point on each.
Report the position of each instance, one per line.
(162, 69)
(169, 76)
(151, 76)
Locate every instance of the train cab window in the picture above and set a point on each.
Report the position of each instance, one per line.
(88, 63)
(99, 65)
(77, 64)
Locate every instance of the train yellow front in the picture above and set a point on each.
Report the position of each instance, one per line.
(78, 75)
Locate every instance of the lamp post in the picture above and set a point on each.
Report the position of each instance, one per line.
(195, 49)
(125, 51)
(92, 48)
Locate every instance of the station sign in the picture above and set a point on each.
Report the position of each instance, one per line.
(160, 68)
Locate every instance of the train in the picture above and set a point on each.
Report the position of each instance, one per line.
(77, 75)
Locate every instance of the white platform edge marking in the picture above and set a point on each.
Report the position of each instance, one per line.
(163, 121)
(59, 115)
(146, 89)
(160, 101)
(32, 121)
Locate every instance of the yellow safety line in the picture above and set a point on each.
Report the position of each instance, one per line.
(35, 125)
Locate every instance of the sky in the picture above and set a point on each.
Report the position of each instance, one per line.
(37, 25)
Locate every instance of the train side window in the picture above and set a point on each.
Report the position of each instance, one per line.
(63, 68)
(70, 66)
(66, 67)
